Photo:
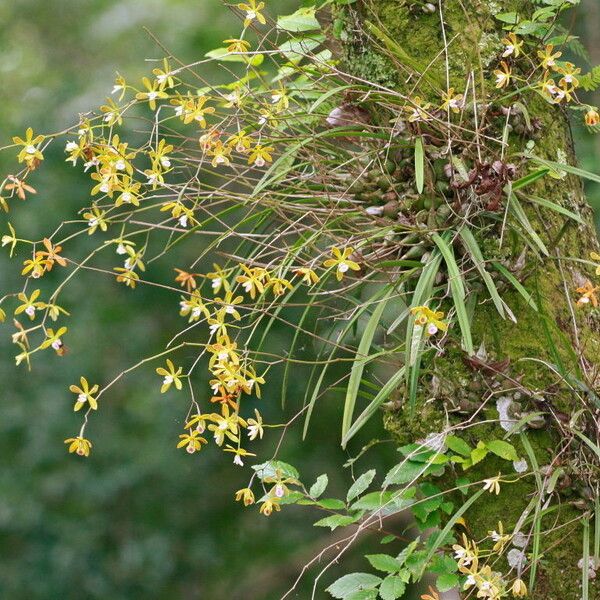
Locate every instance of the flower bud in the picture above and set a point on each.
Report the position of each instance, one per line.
(592, 118)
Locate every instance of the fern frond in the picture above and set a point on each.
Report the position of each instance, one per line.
(591, 81)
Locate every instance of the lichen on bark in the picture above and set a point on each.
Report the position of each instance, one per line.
(556, 334)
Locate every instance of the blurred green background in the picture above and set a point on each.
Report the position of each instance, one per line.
(138, 519)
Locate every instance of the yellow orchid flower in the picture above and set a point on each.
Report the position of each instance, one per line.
(341, 261)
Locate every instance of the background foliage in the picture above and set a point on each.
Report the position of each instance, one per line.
(139, 519)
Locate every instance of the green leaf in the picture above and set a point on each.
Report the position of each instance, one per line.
(392, 587)
(384, 562)
(302, 20)
(419, 165)
(293, 498)
(457, 289)
(423, 508)
(349, 324)
(409, 471)
(530, 178)
(332, 504)
(296, 49)
(392, 383)
(418, 452)
(224, 55)
(271, 467)
(512, 18)
(363, 595)
(417, 562)
(458, 445)
(318, 487)
(359, 364)
(443, 564)
(479, 453)
(446, 582)
(556, 207)
(403, 56)
(352, 583)
(403, 556)
(436, 540)
(447, 507)
(554, 480)
(521, 216)
(335, 521)
(324, 97)
(477, 258)
(360, 485)
(503, 450)
(375, 501)
(516, 284)
(463, 483)
(414, 335)
(432, 500)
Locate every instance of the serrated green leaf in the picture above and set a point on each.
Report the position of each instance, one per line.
(512, 18)
(384, 562)
(502, 449)
(335, 521)
(352, 583)
(406, 552)
(446, 582)
(363, 595)
(332, 504)
(443, 564)
(432, 500)
(360, 485)
(462, 483)
(416, 562)
(392, 587)
(404, 472)
(318, 487)
(375, 501)
(271, 467)
(302, 20)
(458, 445)
(437, 539)
(296, 49)
(478, 454)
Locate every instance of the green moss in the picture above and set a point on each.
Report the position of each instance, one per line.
(406, 429)
(559, 575)
(447, 382)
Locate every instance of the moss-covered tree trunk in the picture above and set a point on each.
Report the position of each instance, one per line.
(548, 361)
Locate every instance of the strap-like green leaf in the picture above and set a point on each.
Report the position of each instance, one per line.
(457, 289)
(419, 165)
(360, 362)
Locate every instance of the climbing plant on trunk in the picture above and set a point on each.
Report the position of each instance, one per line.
(394, 185)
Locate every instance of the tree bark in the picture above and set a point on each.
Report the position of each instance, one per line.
(558, 334)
